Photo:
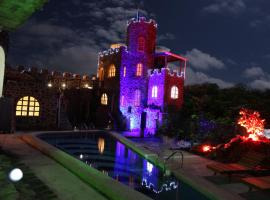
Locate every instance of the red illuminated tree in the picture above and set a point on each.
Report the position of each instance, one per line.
(252, 122)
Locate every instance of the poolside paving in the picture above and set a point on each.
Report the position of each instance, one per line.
(63, 183)
(68, 187)
(194, 169)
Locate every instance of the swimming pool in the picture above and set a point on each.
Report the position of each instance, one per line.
(103, 152)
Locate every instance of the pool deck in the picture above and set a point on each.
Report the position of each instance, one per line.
(195, 172)
(64, 184)
(68, 186)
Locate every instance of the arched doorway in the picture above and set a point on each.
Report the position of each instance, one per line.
(2, 69)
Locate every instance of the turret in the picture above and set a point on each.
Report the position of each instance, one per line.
(141, 35)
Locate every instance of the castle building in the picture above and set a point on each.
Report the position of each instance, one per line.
(135, 78)
(38, 96)
(133, 89)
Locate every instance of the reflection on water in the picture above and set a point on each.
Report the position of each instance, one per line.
(101, 145)
(123, 165)
(172, 185)
(149, 167)
(148, 177)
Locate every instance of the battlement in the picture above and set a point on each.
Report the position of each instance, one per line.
(167, 71)
(141, 20)
(49, 76)
(111, 51)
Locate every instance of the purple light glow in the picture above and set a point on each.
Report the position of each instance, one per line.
(154, 117)
(142, 92)
(157, 78)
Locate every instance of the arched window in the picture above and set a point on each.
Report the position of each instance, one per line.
(174, 92)
(104, 99)
(139, 69)
(141, 44)
(125, 72)
(112, 71)
(154, 91)
(137, 98)
(27, 106)
(101, 74)
(2, 68)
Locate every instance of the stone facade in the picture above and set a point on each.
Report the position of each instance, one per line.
(139, 68)
(46, 87)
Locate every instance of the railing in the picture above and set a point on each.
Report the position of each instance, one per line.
(159, 154)
(172, 155)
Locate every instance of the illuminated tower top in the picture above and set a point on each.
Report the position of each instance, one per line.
(141, 35)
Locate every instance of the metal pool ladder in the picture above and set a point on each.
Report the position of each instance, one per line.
(172, 155)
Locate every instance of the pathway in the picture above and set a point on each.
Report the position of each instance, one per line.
(63, 183)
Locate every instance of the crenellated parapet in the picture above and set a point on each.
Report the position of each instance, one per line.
(49, 78)
(111, 51)
(141, 20)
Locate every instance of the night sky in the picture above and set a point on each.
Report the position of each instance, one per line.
(227, 41)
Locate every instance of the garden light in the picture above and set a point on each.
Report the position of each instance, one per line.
(206, 148)
(16, 175)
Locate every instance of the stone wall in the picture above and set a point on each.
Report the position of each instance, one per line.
(22, 82)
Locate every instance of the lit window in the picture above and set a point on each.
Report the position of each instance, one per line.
(112, 71)
(174, 92)
(101, 74)
(139, 69)
(154, 91)
(104, 99)
(27, 106)
(125, 71)
(141, 44)
(137, 98)
(122, 100)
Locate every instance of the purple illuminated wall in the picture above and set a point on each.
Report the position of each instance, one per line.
(147, 115)
(157, 78)
(153, 119)
(137, 28)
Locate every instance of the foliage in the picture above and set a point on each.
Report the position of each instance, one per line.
(218, 109)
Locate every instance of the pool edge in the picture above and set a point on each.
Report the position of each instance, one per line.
(152, 157)
(103, 184)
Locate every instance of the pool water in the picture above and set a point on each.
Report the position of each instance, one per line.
(103, 152)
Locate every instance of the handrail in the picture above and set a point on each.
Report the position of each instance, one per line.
(174, 153)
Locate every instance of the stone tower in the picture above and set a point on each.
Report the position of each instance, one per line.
(136, 61)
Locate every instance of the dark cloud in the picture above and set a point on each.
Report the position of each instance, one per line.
(73, 44)
(226, 7)
(67, 36)
(254, 72)
(165, 37)
(194, 77)
(260, 79)
(203, 61)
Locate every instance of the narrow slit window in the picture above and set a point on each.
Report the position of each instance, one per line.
(124, 72)
(112, 71)
(139, 69)
(154, 91)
